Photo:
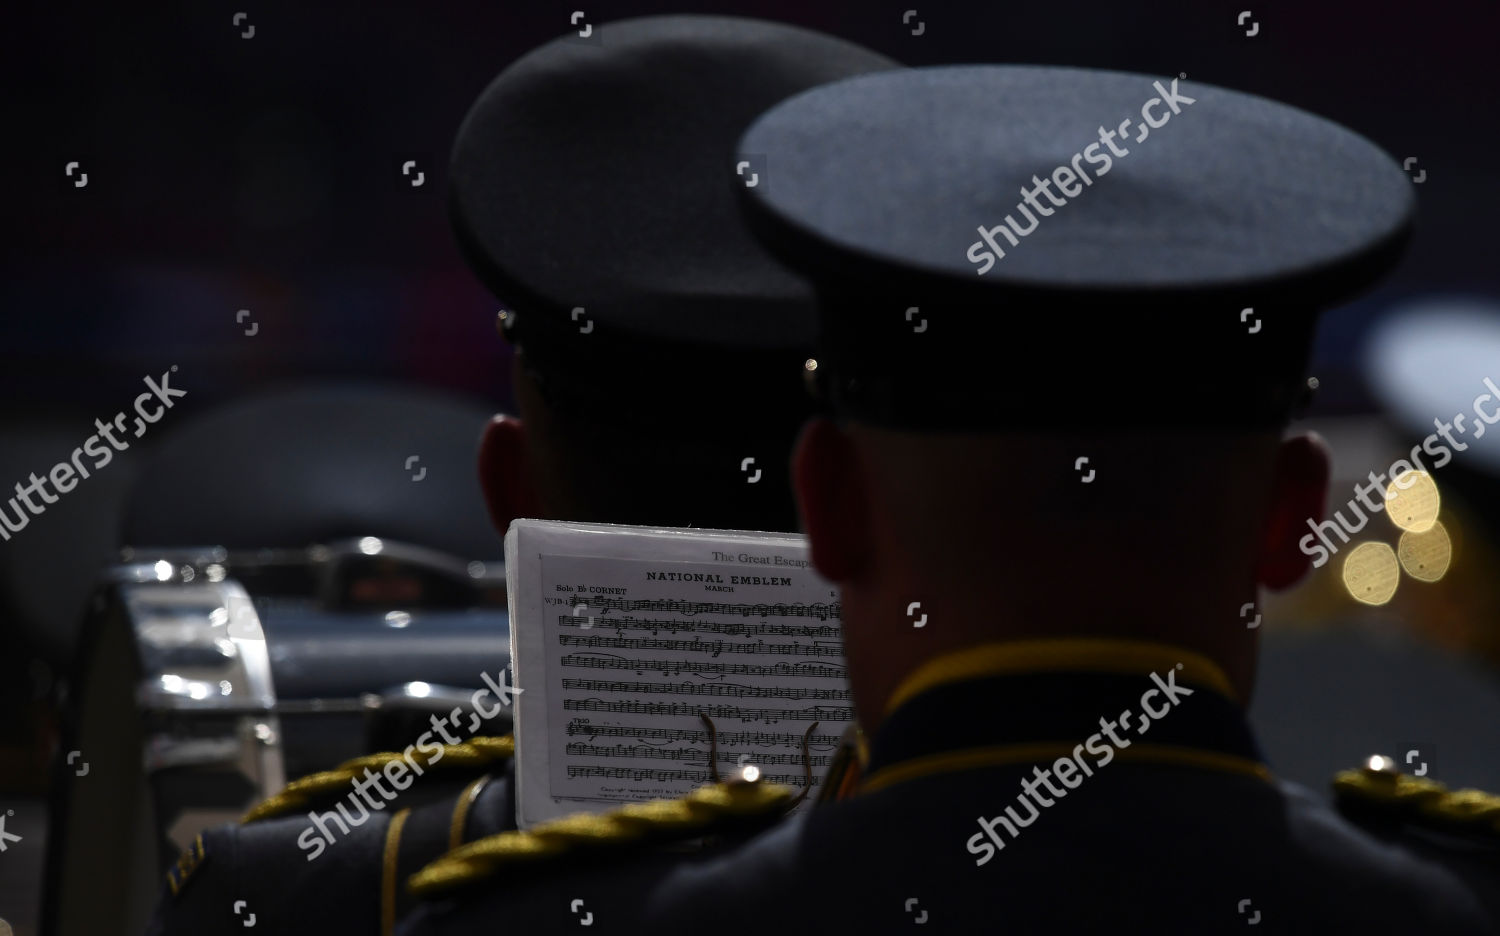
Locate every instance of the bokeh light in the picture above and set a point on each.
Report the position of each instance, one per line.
(1426, 556)
(1371, 573)
(1412, 501)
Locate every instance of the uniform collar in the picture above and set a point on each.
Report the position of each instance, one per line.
(1034, 700)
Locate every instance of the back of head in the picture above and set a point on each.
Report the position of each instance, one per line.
(1064, 374)
(1152, 317)
(659, 345)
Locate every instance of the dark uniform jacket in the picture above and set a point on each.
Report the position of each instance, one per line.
(1180, 828)
(354, 884)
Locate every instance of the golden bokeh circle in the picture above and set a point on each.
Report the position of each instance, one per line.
(1371, 573)
(1415, 508)
(1426, 556)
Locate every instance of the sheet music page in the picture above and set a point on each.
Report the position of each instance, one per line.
(623, 637)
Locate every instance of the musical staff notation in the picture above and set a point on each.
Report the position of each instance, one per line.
(719, 690)
(823, 611)
(675, 667)
(582, 727)
(645, 773)
(727, 712)
(711, 647)
(648, 752)
(676, 625)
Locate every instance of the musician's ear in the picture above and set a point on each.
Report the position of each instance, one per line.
(1299, 492)
(510, 492)
(830, 484)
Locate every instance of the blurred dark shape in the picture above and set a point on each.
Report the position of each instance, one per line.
(319, 464)
(46, 569)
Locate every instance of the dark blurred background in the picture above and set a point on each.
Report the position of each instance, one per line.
(263, 174)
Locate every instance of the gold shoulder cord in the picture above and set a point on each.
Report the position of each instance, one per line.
(475, 752)
(459, 818)
(388, 865)
(696, 813)
(1379, 783)
(187, 863)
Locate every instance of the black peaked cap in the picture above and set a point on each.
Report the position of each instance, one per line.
(589, 191)
(1178, 242)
